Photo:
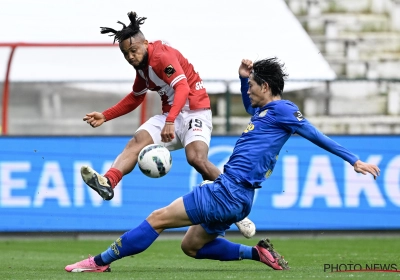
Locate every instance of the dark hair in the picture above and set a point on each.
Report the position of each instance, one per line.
(272, 72)
(126, 32)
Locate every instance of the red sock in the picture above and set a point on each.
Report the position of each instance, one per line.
(114, 176)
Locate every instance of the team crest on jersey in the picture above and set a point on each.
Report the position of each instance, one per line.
(263, 113)
(169, 70)
(298, 115)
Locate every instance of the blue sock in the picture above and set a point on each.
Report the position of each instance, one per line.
(224, 250)
(130, 243)
(246, 252)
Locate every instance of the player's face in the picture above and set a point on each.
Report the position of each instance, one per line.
(134, 50)
(259, 95)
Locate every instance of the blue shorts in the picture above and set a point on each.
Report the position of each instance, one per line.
(216, 205)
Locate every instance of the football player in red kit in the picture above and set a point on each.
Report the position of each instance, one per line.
(185, 121)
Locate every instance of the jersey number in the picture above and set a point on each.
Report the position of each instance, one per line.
(197, 123)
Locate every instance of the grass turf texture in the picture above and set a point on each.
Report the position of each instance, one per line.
(46, 259)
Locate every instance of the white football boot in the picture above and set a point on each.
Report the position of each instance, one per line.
(246, 227)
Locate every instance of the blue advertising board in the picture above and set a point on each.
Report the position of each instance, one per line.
(41, 188)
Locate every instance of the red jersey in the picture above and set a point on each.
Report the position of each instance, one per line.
(174, 78)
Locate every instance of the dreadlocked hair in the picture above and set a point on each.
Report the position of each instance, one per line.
(272, 72)
(127, 31)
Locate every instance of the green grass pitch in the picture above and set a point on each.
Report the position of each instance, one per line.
(46, 259)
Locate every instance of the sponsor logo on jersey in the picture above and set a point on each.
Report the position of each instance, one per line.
(298, 115)
(199, 85)
(249, 127)
(263, 113)
(169, 70)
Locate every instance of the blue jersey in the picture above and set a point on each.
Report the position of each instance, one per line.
(256, 151)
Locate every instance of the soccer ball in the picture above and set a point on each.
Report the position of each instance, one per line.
(155, 161)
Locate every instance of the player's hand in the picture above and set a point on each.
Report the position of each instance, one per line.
(245, 68)
(364, 168)
(168, 132)
(95, 119)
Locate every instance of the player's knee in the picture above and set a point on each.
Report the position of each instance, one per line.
(157, 219)
(132, 144)
(188, 249)
(199, 163)
(133, 147)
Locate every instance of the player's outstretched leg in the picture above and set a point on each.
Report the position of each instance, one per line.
(269, 256)
(97, 182)
(130, 243)
(87, 265)
(246, 227)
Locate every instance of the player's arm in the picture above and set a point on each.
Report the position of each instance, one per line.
(289, 117)
(129, 102)
(244, 87)
(312, 134)
(124, 106)
(172, 73)
(182, 90)
(244, 73)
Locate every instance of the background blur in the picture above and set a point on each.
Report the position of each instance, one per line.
(343, 59)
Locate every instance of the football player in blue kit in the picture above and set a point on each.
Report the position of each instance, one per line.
(212, 207)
